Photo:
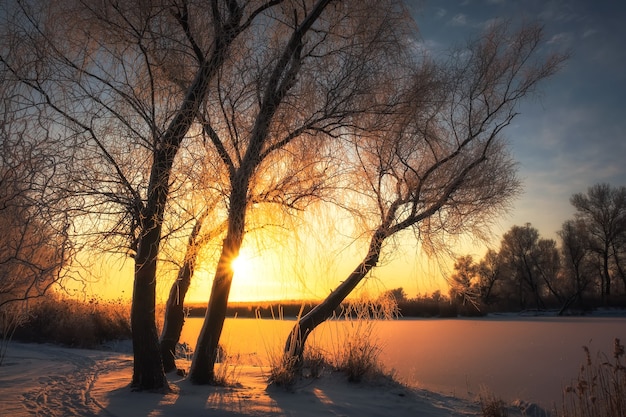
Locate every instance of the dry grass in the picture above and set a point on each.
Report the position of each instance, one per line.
(600, 390)
(492, 406)
(285, 371)
(355, 349)
(71, 322)
(227, 369)
(12, 316)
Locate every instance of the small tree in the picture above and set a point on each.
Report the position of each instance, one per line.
(532, 263)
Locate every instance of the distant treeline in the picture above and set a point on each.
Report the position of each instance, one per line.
(435, 305)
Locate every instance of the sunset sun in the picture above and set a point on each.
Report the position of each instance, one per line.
(242, 265)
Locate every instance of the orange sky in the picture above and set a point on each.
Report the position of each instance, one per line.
(283, 271)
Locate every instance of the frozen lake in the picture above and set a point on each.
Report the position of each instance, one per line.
(529, 358)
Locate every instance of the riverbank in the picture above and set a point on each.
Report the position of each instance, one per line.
(41, 379)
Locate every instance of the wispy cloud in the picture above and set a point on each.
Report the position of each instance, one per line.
(563, 38)
(589, 33)
(491, 22)
(459, 20)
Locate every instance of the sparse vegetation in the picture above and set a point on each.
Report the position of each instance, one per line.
(227, 370)
(600, 390)
(354, 351)
(358, 353)
(75, 323)
(11, 317)
(492, 406)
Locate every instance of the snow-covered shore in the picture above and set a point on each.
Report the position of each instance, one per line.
(47, 380)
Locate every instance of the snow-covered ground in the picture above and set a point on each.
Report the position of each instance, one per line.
(47, 380)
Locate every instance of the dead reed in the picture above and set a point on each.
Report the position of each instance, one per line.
(600, 389)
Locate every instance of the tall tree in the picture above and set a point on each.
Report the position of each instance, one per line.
(438, 165)
(462, 281)
(489, 272)
(603, 211)
(576, 253)
(124, 84)
(530, 262)
(36, 243)
(292, 89)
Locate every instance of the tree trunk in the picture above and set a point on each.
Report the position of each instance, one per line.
(174, 309)
(607, 277)
(618, 264)
(147, 366)
(203, 363)
(294, 347)
(148, 371)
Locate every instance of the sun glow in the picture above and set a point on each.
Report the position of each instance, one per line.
(243, 264)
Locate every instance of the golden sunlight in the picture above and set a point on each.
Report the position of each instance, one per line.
(243, 265)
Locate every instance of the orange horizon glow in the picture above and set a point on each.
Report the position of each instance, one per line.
(277, 265)
(272, 275)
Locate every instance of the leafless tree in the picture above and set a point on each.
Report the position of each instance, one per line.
(532, 264)
(35, 244)
(603, 211)
(576, 253)
(462, 281)
(291, 91)
(123, 83)
(438, 165)
(489, 272)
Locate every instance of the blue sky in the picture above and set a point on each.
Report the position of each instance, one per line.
(574, 134)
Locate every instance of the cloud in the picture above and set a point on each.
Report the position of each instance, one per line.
(427, 47)
(563, 38)
(589, 33)
(440, 12)
(491, 22)
(557, 11)
(459, 20)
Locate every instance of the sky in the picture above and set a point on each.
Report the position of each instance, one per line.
(574, 134)
(569, 137)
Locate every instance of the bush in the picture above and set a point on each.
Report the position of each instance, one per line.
(70, 322)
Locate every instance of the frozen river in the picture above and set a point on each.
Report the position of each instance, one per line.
(527, 358)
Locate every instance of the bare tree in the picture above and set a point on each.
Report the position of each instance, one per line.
(519, 250)
(576, 253)
(35, 244)
(489, 272)
(462, 281)
(438, 164)
(603, 211)
(293, 90)
(124, 84)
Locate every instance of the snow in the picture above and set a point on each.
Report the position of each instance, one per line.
(47, 380)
